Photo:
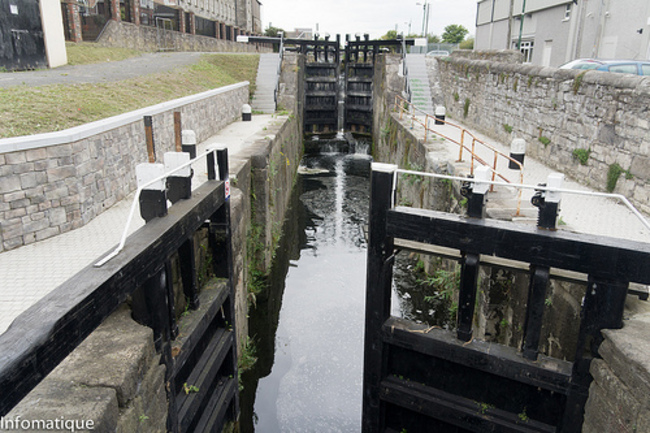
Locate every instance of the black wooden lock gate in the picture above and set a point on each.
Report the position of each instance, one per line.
(201, 360)
(431, 381)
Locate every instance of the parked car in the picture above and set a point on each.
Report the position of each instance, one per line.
(583, 64)
(626, 67)
(437, 53)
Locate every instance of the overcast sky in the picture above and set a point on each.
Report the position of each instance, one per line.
(375, 17)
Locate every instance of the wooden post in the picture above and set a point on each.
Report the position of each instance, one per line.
(151, 147)
(467, 296)
(178, 131)
(378, 294)
(187, 259)
(535, 311)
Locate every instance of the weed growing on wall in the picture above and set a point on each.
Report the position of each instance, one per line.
(507, 128)
(582, 155)
(466, 107)
(577, 82)
(544, 140)
(613, 174)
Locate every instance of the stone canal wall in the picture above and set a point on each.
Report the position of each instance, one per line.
(590, 125)
(55, 182)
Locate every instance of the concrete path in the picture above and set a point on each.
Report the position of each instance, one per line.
(148, 63)
(31, 272)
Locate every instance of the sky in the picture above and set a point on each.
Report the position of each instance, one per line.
(375, 17)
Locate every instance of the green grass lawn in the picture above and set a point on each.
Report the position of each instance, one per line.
(32, 110)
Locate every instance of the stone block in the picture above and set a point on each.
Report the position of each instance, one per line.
(14, 158)
(57, 216)
(9, 184)
(56, 194)
(20, 203)
(55, 399)
(625, 352)
(36, 226)
(44, 164)
(29, 238)
(601, 416)
(27, 167)
(11, 243)
(36, 154)
(617, 394)
(11, 197)
(15, 213)
(61, 173)
(28, 180)
(47, 233)
(12, 228)
(59, 151)
(117, 355)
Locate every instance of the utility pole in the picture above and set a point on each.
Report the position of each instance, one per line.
(509, 38)
(521, 24)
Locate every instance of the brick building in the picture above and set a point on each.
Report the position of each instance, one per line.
(221, 19)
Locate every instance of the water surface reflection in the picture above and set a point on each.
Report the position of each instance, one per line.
(309, 325)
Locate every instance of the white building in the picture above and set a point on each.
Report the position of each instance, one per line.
(554, 32)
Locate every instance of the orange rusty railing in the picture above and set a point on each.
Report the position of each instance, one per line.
(406, 107)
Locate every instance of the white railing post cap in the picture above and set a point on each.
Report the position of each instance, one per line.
(383, 167)
(146, 172)
(188, 136)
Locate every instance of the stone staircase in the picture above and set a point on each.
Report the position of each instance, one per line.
(267, 78)
(419, 80)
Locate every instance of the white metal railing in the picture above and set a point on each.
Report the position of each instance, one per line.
(134, 204)
(618, 197)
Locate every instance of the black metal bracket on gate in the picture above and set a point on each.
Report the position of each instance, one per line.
(437, 380)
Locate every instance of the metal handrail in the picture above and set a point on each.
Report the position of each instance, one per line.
(279, 71)
(405, 71)
(136, 199)
(619, 197)
(412, 109)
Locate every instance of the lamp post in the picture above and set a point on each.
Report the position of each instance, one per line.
(425, 17)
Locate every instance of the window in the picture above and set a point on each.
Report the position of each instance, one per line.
(526, 49)
(624, 69)
(567, 12)
(645, 69)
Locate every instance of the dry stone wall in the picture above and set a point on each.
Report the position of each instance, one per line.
(562, 115)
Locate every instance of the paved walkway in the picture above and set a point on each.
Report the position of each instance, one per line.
(148, 63)
(32, 271)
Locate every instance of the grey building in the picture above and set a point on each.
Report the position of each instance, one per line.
(554, 32)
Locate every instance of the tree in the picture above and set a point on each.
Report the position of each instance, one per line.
(273, 32)
(454, 34)
(467, 44)
(434, 39)
(391, 34)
